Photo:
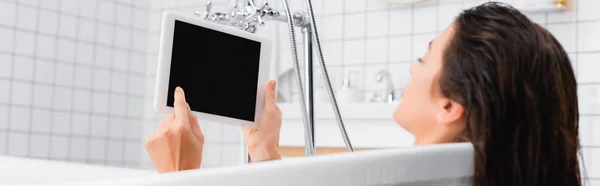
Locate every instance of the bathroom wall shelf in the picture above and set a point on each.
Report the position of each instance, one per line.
(351, 111)
(533, 6)
(528, 6)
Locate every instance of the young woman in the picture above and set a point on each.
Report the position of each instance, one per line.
(493, 78)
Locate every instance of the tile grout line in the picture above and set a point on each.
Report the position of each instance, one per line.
(343, 40)
(31, 97)
(127, 84)
(576, 22)
(53, 84)
(412, 33)
(22, 131)
(221, 145)
(388, 42)
(437, 17)
(576, 39)
(72, 87)
(110, 96)
(69, 110)
(364, 38)
(9, 116)
(75, 39)
(92, 89)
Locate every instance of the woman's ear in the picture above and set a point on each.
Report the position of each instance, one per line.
(449, 111)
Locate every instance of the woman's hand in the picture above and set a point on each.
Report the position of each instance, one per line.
(178, 141)
(263, 141)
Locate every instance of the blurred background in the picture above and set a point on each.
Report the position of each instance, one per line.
(77, 77)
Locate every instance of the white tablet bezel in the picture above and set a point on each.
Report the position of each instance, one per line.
(164, 66)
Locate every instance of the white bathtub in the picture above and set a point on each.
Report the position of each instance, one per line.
(16, 171)
(448, 165)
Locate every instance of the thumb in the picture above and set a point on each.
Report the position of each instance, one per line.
(270, 92)
(180, 105)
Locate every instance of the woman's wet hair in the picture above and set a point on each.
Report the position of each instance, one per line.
(518, 88)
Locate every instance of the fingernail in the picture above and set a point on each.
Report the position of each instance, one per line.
(273, 84)
(179, 93)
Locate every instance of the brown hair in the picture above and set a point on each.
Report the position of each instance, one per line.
(519, 92)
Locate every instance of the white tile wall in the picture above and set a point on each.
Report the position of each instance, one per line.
(42, 95)
(59, 147)
(81, 125)
(23, 68)
(354, 26)
(57, 60)
(17, 144)
(48, 21)
(10, 9)
(333, 22)
(377, 24)
(39, 146)
(24, 42)
(4, 91)
(66, 51)
(21, 93)
(375, 54)
(26, 18)
(354, 52)
(40, 120)
(45, 46)
(85, 54)
(566, 35)
(78, 149)
(358, 6)
(587, 33)
(61, 123)
(3, 116)
(3, 146)
(19, 118)
(6, 37)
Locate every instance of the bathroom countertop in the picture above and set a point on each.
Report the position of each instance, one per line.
(369, 125)
(358, 111)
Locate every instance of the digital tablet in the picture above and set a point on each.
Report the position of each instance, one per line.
(222, 70)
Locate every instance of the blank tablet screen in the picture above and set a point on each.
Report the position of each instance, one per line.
(217, 71)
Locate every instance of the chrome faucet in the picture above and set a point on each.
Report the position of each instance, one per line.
(247, 17)
(389, 94)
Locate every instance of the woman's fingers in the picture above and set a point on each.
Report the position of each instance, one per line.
(271, 108)
(270, 92)
(181, 106)
(164, 124)
(195, 126)
(170, 118)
